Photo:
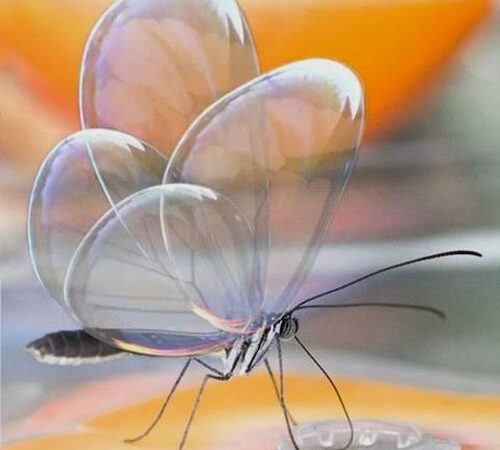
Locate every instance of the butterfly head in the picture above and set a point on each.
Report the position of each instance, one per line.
(287, 328)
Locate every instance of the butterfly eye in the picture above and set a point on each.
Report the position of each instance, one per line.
(288, 328)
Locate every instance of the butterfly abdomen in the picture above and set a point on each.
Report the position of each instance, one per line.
(71, 348)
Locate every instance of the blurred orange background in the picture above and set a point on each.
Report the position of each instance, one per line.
(233, 416)
(397, 47)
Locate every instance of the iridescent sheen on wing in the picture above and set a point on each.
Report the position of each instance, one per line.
(151, 66)
(82, 178)
(165, 273)
(281, 148)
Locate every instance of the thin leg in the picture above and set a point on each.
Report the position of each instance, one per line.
(283, 408)
(197, 404)
(163, 407)
(209, 367)
(335, 388)
(282, 381)
(278, 395)
(215, 375)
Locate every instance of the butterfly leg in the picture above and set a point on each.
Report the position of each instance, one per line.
(209, 367)
(163, 407)
(281, 394)
(203, 385)
(277, 391)
(335, 388)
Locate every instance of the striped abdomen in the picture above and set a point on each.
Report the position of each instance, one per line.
(72, 348)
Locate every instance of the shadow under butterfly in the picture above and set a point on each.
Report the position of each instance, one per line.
(185, 218)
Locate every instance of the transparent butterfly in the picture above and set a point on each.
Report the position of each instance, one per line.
(185, 218)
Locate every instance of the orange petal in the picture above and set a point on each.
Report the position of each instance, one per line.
(396, 46)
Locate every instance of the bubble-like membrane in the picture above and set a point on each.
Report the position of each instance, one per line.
(81, 179)
(164, 273)
(282, 148)
(151, 66)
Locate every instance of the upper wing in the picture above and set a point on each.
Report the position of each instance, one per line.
(164, 273)
(151, 66)
(281, 148)
(81, 179)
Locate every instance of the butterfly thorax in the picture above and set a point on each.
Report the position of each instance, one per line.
(248, 351)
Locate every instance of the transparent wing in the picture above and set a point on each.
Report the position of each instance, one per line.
(183, 298)
(151, 66)
(80, 180)
(281, 148)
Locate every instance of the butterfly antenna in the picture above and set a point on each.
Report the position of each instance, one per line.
(335, 388)
(163, 407)
(437, 312)
(388, 269)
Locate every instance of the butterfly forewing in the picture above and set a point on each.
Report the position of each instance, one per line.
(281, 148)
(151, 66)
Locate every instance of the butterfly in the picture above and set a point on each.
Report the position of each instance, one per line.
(185, 218)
